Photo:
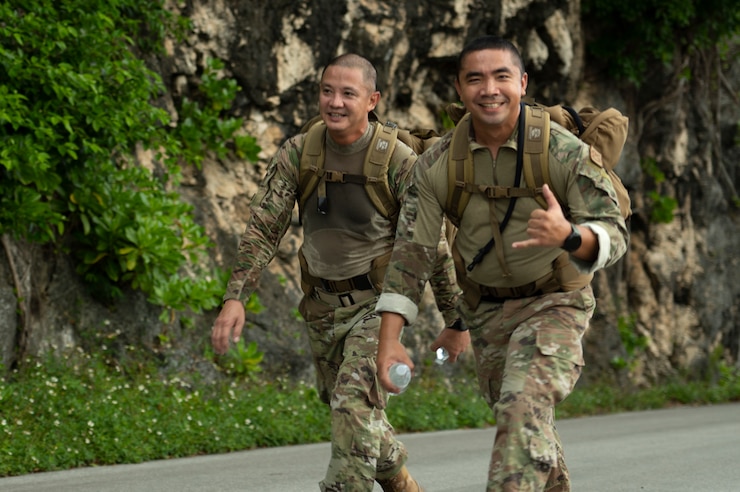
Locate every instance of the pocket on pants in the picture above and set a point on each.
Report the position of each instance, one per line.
(563, 344)
(366, 444)
(542, 452)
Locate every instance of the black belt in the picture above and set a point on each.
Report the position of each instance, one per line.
(360, 282)
(345, 299)
(501, 300)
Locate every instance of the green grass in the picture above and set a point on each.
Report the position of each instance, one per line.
(85, 410)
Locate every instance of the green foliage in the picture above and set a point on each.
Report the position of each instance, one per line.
(253, 304)
(201, 126)
(430, 403)
(650, 167)
(76, 106)
(630, 37)
(632, 342)
(240, 361)
(663, 207)
(602, 399)
(84, 409)
(296, 314)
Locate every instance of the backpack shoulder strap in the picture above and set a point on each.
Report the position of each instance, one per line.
(312, 173)
(460, 171)
(312, 162)
(375, 169)
(535, 151)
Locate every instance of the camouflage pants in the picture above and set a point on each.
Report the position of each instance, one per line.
(344, 343)
(529, 356)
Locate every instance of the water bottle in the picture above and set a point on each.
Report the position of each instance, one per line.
(442, 356)
(400, 375)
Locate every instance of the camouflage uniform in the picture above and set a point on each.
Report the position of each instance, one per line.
(342, 325)
(528, 349)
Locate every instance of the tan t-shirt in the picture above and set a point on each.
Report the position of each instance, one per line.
(343, 242)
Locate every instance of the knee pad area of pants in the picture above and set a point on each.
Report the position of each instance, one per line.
(528, 427)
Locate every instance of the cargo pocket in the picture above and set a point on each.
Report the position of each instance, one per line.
(366, 444)
(563, 344)
(542, 452)
(564, 354)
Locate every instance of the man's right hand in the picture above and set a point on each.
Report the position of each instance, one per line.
(228, 325)
(390, 349)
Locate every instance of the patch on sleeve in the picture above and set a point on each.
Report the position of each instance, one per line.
(596, 157)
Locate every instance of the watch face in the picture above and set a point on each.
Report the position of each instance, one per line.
(572, 242)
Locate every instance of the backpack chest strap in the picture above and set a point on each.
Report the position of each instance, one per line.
(500, 191)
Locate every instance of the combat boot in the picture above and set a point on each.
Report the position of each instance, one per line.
(400, 482)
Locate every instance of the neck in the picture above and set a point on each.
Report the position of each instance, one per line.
(494, 136)
(349, 136)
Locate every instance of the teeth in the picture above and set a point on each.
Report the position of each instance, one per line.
(491, 105)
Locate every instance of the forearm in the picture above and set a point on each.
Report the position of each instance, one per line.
(270, 214)
(390, 348)
(444, 283)
(257, 247)
(600, 249)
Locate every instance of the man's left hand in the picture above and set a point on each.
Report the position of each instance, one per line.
(454, 341)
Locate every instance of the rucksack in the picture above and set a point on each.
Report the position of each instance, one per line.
(312, 174)
(375, 167)
(604, 131)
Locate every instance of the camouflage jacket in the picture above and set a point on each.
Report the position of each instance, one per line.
(583, 186)
(271, 212)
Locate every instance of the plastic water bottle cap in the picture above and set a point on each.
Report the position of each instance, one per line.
(442, 356)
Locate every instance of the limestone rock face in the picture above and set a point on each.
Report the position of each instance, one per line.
(675, 288)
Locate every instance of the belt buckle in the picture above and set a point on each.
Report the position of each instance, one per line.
(346, 300)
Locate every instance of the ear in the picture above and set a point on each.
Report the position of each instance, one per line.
(457, 87)
(525, 80)
(373, 101)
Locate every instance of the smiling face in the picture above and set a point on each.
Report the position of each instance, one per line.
(490, 84)
(345, 100)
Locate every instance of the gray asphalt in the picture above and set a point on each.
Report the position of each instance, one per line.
(691, 449)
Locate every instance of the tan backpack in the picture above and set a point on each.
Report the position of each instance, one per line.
(312, 174)
(375, 167)
(605, 132)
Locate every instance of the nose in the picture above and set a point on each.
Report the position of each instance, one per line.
(336, 100)
(490, 87)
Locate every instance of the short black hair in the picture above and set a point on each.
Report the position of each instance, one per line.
(489, 43)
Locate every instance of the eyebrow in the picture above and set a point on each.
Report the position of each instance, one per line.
(340, 88)
(477, 73)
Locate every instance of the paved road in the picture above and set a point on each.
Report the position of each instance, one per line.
(678, 450)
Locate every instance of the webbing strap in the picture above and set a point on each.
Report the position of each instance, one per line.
(534, 152)
(375, 169)
(517, 181)
(458, 172)
(311, 155)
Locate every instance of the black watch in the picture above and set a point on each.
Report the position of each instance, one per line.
(458, 325)
(573, 241)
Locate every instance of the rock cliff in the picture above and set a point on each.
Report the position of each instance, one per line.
(675, 290)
